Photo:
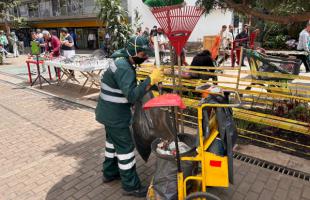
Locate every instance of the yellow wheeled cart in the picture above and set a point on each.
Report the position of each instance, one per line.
(213, 169)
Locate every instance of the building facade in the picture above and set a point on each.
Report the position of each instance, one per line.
(79, 16)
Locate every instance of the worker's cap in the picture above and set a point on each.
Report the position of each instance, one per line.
(12, 33)
(65, 30)
(139, 43)
(1, 31)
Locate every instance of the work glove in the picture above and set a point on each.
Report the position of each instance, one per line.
(157, 75)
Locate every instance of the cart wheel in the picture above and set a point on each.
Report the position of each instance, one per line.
(202, 195)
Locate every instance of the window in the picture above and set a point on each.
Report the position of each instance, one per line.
(23, 11)
(89, 6)
(45, 8)
(63, 7)
(56, 7)
(33, 9)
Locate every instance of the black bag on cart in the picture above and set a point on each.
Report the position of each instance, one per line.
(224, 144)
(165, 176)
(149, 125)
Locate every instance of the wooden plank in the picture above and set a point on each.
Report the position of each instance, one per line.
(267, 116)
(272, 122)
(286, 53)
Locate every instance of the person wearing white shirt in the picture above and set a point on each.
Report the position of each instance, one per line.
(226, 41)
(162, 42)
(91, 40)
(303, 45)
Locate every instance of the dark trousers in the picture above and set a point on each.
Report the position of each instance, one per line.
(91, 44)
(238, 52)
(120, 158)
(305, 60)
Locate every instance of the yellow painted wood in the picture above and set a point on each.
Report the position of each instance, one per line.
(275, 138)
(273, 122)
(271, 117)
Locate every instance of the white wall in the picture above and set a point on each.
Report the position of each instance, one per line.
(207, 25)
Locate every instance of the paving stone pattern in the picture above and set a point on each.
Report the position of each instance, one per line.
(51, 149)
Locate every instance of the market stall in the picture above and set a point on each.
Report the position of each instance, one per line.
(89, 67)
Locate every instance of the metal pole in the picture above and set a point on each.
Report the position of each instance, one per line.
(174, 109)
(176, 143)
(156, 49)
(180, 92)
(239, 70)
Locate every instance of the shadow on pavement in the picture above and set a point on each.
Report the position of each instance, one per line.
(85, 182)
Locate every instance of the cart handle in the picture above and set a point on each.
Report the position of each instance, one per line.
(203, 195)
(238, 104)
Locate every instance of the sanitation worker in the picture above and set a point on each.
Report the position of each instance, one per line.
(119, 91)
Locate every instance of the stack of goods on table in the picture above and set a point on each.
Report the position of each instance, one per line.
(81, 63)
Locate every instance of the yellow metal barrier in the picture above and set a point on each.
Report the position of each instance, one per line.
(265, 94)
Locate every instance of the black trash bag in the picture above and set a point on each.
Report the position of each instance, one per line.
(165, 177)
(149, 125)
(228, 132)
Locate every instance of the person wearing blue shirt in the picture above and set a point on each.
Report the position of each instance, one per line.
(38, 39)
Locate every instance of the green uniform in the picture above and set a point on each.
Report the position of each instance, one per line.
(119, 90)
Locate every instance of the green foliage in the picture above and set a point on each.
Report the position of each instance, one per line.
(5, 7)
(159, 3)
(115, 18)
(137, 20)
(280, 11)
(209, 5)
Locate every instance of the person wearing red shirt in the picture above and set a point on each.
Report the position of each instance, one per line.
(53, 43)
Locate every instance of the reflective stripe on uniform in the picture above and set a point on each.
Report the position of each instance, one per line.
(108, 88)
(113, 66)
(109, 155)
(109, 145)
(113, 99)
(125, 156)
(127, 166)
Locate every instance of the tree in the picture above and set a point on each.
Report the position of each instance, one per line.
(278, 11)
(5, 7)
(115, 19)
(137, 23)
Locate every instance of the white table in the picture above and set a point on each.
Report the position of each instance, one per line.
(90, 69)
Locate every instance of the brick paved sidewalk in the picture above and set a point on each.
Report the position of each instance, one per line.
(53, 150)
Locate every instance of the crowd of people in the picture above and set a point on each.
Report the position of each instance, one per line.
(9, 44)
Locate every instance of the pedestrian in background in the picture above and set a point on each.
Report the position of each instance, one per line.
(67, 45)
(53, 43)
(3, 40)
(35, 37)
(303, 45)
(146, 33)
(91, 40)
(13, 42)
(73, 35)
(242, 39)
(39, 33)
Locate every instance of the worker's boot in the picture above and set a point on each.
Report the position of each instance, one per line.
(108, 180)
(141, 192)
